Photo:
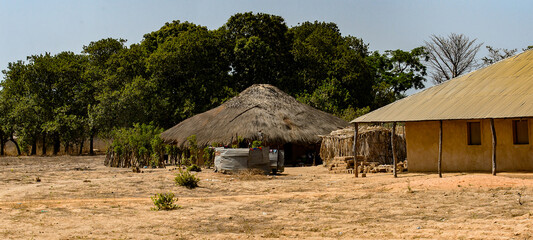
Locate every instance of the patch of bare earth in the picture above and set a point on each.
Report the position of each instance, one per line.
(79, 198)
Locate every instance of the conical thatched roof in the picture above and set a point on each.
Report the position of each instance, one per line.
(261, 108)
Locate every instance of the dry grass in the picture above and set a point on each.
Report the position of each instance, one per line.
(251, 175)
(301, 203)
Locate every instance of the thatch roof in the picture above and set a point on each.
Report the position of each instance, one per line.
(261, 108)
(501, 90)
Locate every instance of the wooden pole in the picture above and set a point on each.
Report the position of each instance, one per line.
(493, 130)
(440, 149)
(394, 159)
(314, 155)
(356, 131)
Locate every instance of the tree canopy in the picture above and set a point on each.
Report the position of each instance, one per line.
(183, 69)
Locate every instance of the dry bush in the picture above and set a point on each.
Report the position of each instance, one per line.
(251, 175)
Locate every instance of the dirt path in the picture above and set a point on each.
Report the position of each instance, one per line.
(79, 198)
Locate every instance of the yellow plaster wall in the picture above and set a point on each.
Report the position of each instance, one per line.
(422, 147)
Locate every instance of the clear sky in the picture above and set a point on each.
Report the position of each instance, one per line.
(35, 27)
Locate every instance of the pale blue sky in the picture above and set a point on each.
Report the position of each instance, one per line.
(34, 27)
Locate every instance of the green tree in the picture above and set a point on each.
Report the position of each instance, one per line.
(98, 54)
(314, 49)
(4, 122)
(151, 41)
(258, 49)
(19, 114)
(49, 85)
(190, 75)
(124, 70)
(332, 71)
(61, 95)
(396, 72)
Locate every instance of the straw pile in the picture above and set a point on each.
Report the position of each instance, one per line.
(373, 142)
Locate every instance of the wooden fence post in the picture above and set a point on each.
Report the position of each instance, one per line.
(356, 131)
(440, 149)
(394, 160)
(493, 130)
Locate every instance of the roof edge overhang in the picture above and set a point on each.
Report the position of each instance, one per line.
(427, 120)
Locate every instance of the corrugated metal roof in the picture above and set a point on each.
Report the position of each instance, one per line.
(501, 90)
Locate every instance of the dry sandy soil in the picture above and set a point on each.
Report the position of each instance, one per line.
(79, 198)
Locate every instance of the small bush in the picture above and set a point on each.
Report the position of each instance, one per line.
(194, 168)
(256, 144)
(186, 179)
(209, 156)
(164, 201)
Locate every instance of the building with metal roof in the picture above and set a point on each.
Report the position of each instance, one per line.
(480, 121)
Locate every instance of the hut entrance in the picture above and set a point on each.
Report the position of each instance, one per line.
(302, 155)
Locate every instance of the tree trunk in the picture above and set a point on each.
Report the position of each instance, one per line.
(2, 146)
(57, 144)
(91, 145)
(2, 143)
(67, 147)
(44, 144)
(81, 147)
(16, 145)
(34, 147)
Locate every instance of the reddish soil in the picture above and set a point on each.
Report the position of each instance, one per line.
(79, 198)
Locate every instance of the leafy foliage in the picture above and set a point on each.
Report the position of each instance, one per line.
(256, 144)
(209, 155)
(186, 179)
(142, 144)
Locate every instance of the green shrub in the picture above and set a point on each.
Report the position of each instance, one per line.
(164, 201)
(142, 142)
(173, 153)
(209, 156)
(256, 144)
(193, 149)
(186, 179)
(194, 168)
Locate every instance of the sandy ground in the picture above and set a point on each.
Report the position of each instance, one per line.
(79, 198)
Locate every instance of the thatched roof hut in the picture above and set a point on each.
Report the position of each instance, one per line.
(261, 109)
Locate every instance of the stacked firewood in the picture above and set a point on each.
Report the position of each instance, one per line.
(341, 165)
(375, 167)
